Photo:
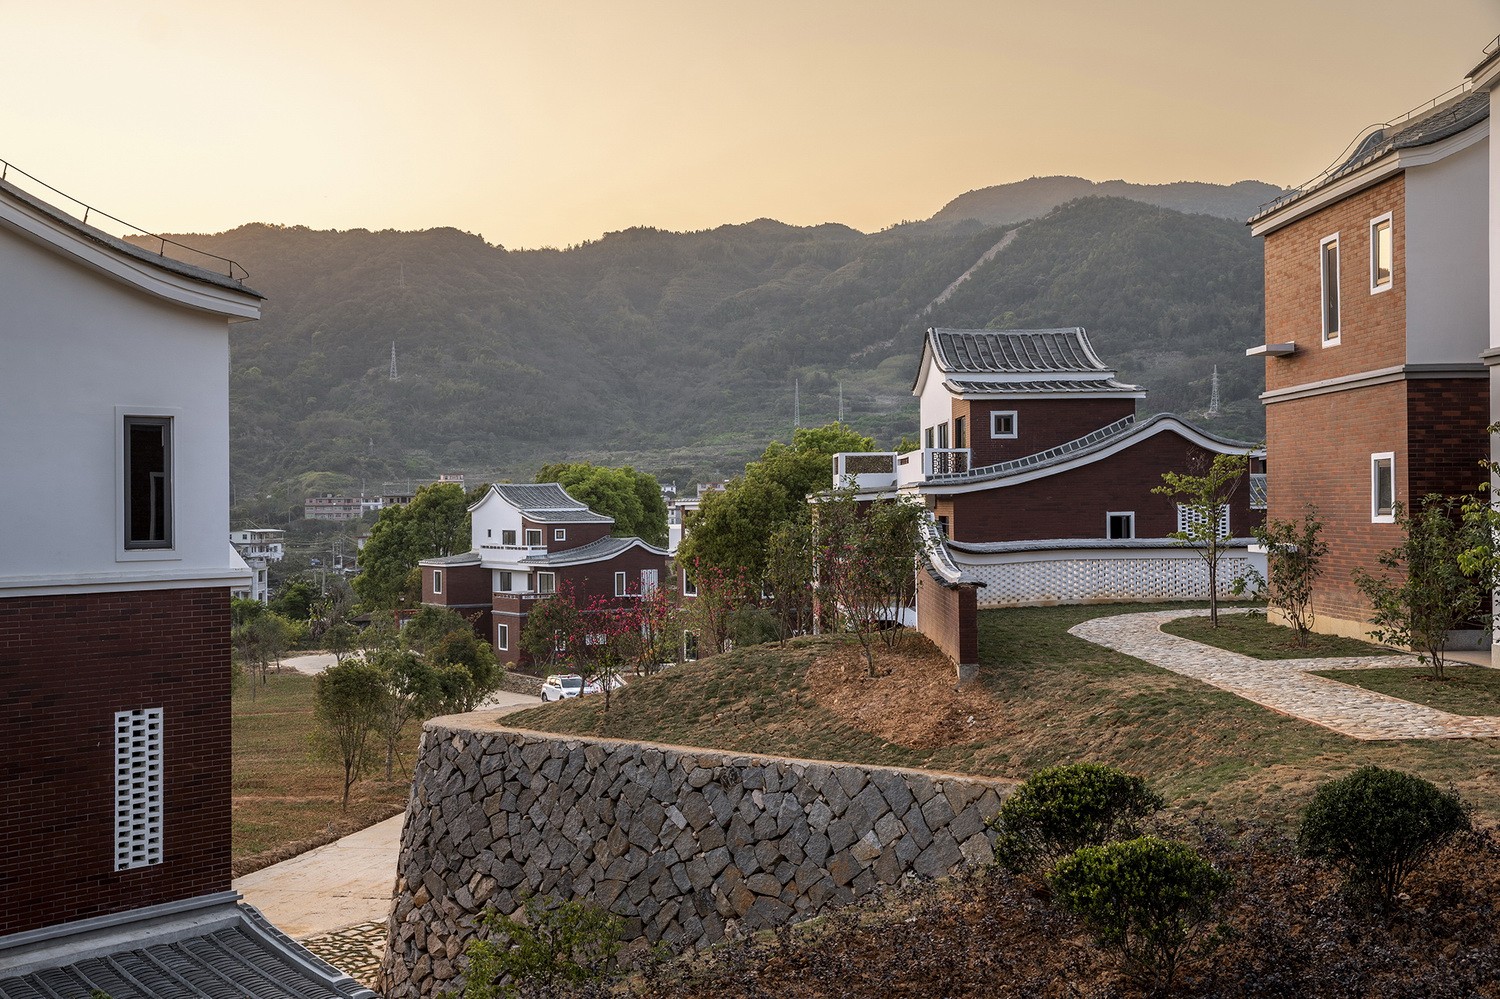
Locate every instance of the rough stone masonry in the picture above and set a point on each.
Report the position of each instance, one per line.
(688, 845)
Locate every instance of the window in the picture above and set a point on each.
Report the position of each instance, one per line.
(942, 525)
(621, 587)
(1329, 250)
(1003, 424)
(559, 534)
(1383, 488)
(689, 646)
(437, 581)
(930, 443)
(942, 435)
(689, 588)
(507, 537)
(502, 581)
(148, 482)
(1120, 526)
(1192, 518)
(961, 432)
(546, 582)
(502, 637)
(138, 790)
(533, 539)
(1382, 254)
(489, 533)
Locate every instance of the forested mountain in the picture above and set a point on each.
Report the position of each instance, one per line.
(1026, 199)
(678, 352)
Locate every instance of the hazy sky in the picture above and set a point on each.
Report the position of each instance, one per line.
(548, 123)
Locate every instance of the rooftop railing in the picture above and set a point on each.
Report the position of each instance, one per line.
(133, 234)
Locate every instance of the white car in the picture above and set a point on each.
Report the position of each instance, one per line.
(561, 686)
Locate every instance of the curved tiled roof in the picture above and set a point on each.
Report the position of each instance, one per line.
(1014, 351)
(548, 503)
(1041, 386)
(939, 560)
(1067, 544)
(1449, 118)
(594, 551)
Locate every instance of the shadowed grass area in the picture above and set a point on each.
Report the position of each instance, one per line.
(285, 791)
(1466, 690)
(1062, 699)
(1252, 635)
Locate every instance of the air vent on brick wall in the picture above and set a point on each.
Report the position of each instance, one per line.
(138, 805)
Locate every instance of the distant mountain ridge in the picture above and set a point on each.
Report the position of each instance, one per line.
(1004, 204)
(681, 353)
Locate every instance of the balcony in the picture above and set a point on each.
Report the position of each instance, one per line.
(916, 467)
(869, 471)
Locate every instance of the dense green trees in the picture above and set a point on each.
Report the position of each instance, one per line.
(435, 523)
(732, 529)
(632, 498)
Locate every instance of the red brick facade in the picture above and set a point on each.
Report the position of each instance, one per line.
(1040, 424)
(1076, 503)
(69, 663)
(949, 617)
(464, 587)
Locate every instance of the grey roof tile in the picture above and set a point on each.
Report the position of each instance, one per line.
(1014, 351)
(594, 551)
(548, 502)
(1040, 386)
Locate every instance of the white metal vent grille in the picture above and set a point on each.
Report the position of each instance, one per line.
(138, 768)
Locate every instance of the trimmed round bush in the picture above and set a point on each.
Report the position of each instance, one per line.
(1147, 898)
(1378, 825)
(1059, 809)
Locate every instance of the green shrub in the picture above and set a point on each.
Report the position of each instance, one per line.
(552, 944)
(1378, 826)
(1059, 809)
(1148, 899)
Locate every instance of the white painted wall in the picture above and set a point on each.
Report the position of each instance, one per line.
(1447, 257)
(75, 347)
(494, 516)
(936, 402)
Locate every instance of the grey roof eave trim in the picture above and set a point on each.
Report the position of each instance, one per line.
(1065, 544)
(466, 558)
(595, 551)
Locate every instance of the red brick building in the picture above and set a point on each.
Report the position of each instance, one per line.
(1377, 314)
(529, 542)
(114, 625)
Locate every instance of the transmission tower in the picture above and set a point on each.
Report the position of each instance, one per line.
(394, 376)
(841, 402)
(1213, 399)
(796, 404)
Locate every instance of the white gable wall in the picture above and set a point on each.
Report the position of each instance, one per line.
(1447, 258)
(77, 350)
(936, 401)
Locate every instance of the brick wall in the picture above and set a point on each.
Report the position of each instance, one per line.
(578, 535)
(1041, 424)
(1446, 421)
(464, 586)
(1373, 331)
(949, 618)
(1075, 504)
(67, 664)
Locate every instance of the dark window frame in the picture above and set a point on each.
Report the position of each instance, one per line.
(162, 492)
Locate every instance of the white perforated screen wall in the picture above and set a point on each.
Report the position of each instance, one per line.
(138, 792)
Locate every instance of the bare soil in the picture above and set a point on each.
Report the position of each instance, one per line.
(913, 700)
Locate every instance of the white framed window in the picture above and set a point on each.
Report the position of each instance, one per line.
(622, 588)
(1191, 519)
(145, 470)
(138, 788)
(689, 646)
(1328, 255)
(546, 582)
(559, 534)
(533, 538)
(942, 435)
(1383, 488)
(1119, 526)
(503, 581)
(931, 441)
(437, 581)
(507, 537)
(1003, 424)
(689, 588)
(502, 637)
(1382, 255)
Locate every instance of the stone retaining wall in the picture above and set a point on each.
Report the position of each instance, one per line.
(688, 845)
(521, 683)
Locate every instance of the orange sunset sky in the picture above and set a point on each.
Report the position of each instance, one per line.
(549, 123)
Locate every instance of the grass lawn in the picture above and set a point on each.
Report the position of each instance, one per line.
(1056, 699)
(285, 792)
(1252, 635)
(1464, 690)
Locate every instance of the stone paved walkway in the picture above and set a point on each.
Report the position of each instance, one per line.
(1286, 685)
(356, 951)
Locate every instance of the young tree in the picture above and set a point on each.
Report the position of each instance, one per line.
(1205, 498)
(550, 626)
(1427, 594)
(350, 700)
(790, 558)
(711, 613)
(1294, 557)
(867, 563)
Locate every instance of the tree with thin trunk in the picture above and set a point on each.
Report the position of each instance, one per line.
(349, 703)
(1294, 557)
(1203, 500)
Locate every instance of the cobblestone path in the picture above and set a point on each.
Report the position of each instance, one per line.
(1286, 685)
(355, 951)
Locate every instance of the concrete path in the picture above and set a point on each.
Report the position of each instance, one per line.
(311, 664)
(347, 882)
(1286, 685)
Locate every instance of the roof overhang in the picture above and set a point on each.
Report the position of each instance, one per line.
(96, 250)
(1387, 166)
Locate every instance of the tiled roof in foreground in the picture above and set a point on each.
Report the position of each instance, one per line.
(233, 959)
(1014, 351)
